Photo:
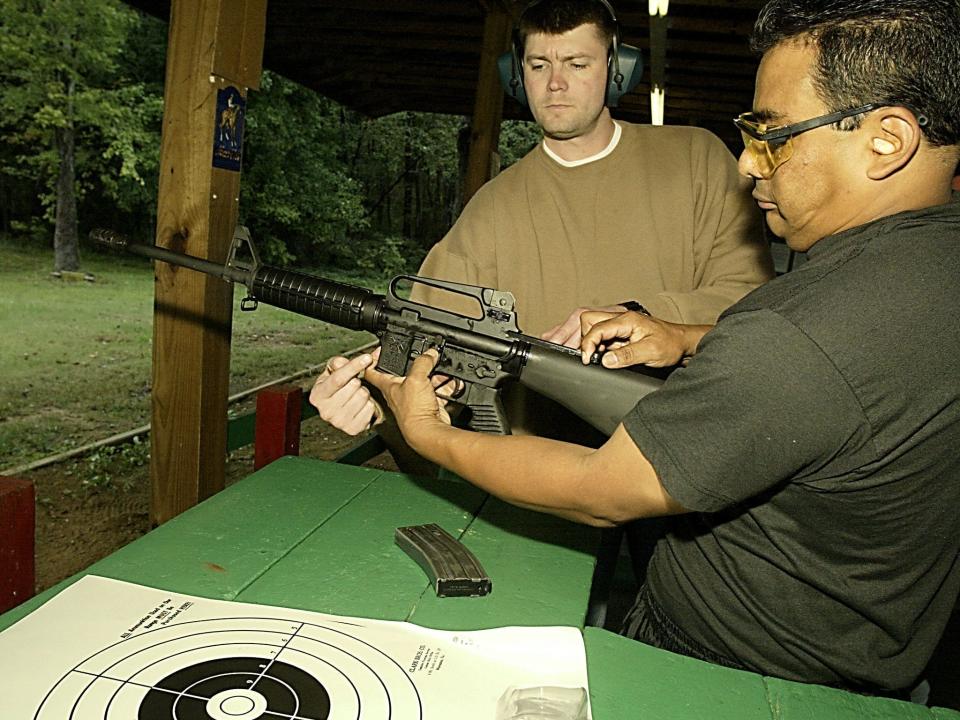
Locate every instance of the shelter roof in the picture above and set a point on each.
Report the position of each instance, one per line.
(384, 56)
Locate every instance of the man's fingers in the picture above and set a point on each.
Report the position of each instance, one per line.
(563, 333)
(354, 417)
(589, 318)
(572, 340)
(338, 373)
(548, 334)
(628, 354)
(341, 399)
(380, 380)
(601, 333)
(424, 365)
(654, 350)
(447, 387)
(336, 362)
(352, 397)
(596, 329)
(341, 408)
(419, 369)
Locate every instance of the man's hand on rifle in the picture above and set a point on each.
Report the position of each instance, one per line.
(569, 332)
(632, 338)
(413, 399)
(341, 399)
(346, 403)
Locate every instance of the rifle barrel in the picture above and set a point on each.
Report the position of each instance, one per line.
(155, 252)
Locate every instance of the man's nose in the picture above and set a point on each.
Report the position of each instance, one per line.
(558, 78)
(747, 165)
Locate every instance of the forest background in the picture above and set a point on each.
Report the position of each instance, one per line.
(81, 100)
(323, 189)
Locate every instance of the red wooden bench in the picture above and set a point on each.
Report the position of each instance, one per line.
(17, 568)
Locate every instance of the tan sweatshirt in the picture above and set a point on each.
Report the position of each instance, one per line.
(664, 219)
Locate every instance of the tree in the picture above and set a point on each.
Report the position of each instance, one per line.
(517, 138)
(322, 185)
(81, 100)
(297, 195)
(60, 82)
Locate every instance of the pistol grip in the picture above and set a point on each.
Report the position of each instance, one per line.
(486, 410)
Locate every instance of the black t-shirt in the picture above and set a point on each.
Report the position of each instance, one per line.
(816, 437)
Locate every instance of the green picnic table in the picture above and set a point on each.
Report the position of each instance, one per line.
(319, 536)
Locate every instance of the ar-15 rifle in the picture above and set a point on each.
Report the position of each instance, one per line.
(484, 352)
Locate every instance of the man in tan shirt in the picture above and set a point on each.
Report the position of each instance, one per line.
(600, 212)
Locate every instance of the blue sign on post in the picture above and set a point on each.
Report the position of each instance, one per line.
(228, 129)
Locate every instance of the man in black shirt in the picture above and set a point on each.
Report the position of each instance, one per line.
(810, 448)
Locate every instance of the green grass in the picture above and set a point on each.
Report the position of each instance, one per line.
(76, 356)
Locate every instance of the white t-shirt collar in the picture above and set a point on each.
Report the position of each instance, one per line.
(593, 158)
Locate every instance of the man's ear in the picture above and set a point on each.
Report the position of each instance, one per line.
(894, 136)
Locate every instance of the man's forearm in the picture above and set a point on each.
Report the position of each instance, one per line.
(604, 487)
(599, 487)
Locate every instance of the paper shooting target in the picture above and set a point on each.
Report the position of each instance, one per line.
(239, 668)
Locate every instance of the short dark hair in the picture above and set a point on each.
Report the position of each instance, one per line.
(884, 51)
(555, 17)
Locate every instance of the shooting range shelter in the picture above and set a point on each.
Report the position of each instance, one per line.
(376, 57)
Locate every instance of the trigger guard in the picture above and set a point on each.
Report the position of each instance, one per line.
(459, 388)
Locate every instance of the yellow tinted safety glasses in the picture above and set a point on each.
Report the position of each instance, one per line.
(771, 146)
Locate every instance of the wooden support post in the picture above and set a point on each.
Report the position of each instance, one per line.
(214, 53)
(488, 103)
(17, 523)
(277, 425)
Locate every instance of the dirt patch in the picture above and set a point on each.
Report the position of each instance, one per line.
(79, 523)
